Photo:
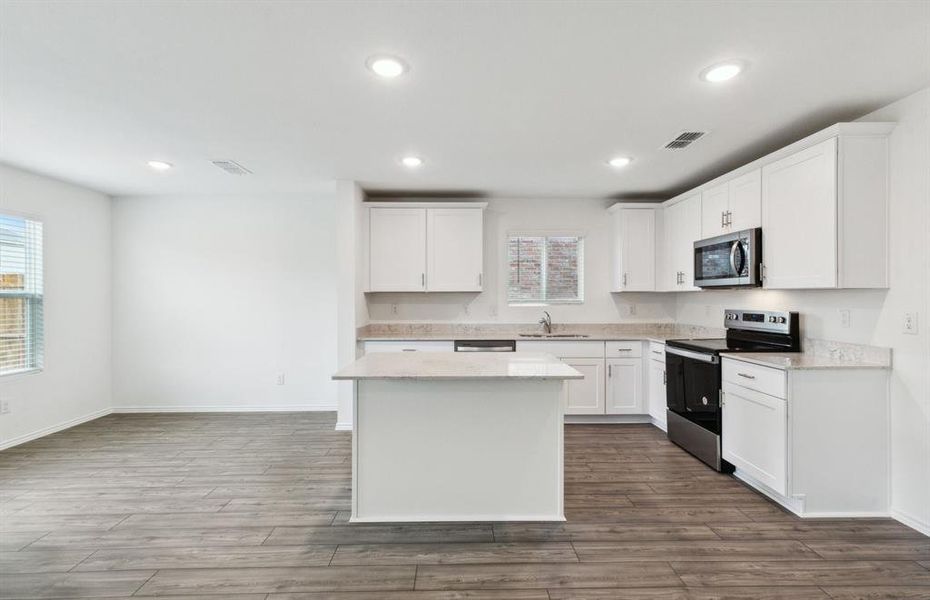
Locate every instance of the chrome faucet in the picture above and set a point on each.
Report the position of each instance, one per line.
(546, 322)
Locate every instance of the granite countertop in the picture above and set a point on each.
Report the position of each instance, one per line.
(594, 332)
(449, 366)
(821, 354)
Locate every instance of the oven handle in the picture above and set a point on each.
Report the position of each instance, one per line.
(708, 358)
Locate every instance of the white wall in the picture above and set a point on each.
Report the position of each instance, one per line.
(877, 315)
(75, 384)
(505, 215)
(214, 296)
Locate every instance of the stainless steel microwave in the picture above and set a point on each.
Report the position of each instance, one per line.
(730, 260)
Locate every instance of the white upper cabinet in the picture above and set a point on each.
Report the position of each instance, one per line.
(682, 229)
(732, 206)
(745, 193)
(633, 249)
(715, 204)
(422, 247)
(799, 239)
(454, 249)
(397, 249)
(825, 215)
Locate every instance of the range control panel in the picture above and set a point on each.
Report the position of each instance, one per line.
(760, 320)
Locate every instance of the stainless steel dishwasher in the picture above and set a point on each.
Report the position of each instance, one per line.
(485, 345)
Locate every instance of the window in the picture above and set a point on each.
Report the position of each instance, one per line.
(545, 269)
(21, 321)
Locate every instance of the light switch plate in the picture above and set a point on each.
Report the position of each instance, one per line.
(845, 318)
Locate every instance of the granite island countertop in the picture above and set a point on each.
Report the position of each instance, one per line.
(463, 366)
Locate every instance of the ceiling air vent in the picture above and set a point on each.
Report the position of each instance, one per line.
(684, 139)
(231, 167)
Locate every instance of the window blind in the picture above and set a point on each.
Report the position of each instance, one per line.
(21, 295)
(545, 269)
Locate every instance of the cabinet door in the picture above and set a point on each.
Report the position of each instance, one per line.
(689, 231)
(656, 392)
(455, 249)
(625, 386)
(715, 203)
(799, 219)
(637, 256)
(585, 396)
(755, 435)
(746, 201)
(397, 249)
(672, 245)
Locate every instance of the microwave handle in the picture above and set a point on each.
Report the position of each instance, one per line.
(737, 247)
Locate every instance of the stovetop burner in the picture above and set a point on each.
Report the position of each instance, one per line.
(750, 331)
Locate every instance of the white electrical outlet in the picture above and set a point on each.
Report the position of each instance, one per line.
(279, 379)
(844, 318)
(393, 309)
(632, 309)
(4, 407)
(467, 310)
(910, 323)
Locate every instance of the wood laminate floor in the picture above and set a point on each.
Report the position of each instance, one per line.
(254, 507)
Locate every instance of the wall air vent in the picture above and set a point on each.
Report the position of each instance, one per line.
(684, 139)
(231, 167)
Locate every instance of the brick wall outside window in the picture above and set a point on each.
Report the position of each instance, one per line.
(545, 269)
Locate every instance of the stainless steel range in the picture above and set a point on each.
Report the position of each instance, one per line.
(693, 376)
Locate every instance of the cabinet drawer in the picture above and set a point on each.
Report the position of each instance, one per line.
(755, 377)
(563, 349)
(632, 349)
(657, 351)
(398, 346)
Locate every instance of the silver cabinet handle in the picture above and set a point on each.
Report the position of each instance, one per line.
(423, 279)
(729, 218)
(657, 352)
(408, 350)
(723, 219)
(746, 376)
(610, 370)
(479, 279)
(624, 279)
(624, 349)
(664, 378)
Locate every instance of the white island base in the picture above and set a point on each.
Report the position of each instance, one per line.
(468, 448)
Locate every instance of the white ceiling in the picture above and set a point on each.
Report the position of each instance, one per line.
(507, 98)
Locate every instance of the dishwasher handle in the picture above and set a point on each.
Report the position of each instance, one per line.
(485, 345)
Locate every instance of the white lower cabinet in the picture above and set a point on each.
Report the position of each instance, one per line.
(813, 440)
(585, 396)
(656, 391)
(756, 435)
(624, 386)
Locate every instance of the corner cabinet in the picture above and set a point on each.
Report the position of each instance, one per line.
(825, 216)
(425, 247)
(632, 248)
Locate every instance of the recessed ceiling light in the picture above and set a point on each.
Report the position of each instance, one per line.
(411, 161)
(160, 165)
(388, 67)
(722, 72)
(619, 161)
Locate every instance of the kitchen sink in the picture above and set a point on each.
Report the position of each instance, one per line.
(554, 335)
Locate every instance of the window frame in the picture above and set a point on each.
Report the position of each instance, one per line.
(545, 233)
(41, 362)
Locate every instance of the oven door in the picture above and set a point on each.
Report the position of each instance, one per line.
(730, 260)
(693, 386)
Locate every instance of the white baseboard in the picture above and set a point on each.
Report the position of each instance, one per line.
(594, 419)
(911, 521)
(225, 409)
(343, 426)
(4, 444)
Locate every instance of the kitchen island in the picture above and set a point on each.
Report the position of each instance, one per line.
(457, 437)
